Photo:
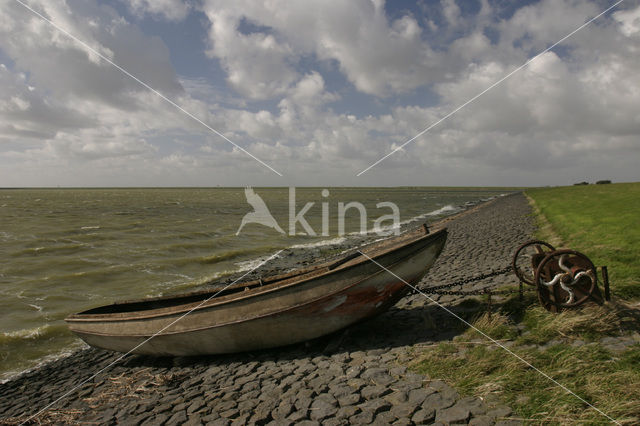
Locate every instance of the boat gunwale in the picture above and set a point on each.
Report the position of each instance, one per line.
(319, 271)
(258, 317)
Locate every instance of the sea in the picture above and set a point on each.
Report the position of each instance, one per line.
(63, 251)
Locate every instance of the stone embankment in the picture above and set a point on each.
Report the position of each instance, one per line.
(358, 376)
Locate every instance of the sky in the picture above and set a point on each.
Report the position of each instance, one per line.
(318, 91)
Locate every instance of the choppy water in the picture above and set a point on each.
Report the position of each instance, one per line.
(67, 250)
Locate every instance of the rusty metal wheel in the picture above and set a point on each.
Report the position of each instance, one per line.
(565, 279)
(527, 258)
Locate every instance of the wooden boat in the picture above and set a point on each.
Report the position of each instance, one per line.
(270, 312)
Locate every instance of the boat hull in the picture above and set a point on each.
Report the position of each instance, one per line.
(267, 317)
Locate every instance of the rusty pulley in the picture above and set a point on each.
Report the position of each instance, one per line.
(527, 256)
(563, 278)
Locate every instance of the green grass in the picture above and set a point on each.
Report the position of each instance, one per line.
(609, 381)
(601, 221)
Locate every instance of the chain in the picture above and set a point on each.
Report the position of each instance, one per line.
(439, 289)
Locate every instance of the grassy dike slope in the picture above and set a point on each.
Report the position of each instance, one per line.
(603, 222)
(593, 351)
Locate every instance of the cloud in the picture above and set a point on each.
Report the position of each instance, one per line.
(171, 10)
(68, 69)
(320, 91)
(629, 21)
(378, 56)
(28, 113)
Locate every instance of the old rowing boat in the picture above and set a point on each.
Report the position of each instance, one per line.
(269, 312)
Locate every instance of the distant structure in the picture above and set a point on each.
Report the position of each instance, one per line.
(581, 183)
(603, 182)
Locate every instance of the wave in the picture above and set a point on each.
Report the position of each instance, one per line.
(322, 243)
(206, 280)
(90, 227)
(6, 236)
(216, 258)
(249, 265)
(78, 344)
(36, 307)
(63, 249)
(388, 230)
(29, 333)
(41, 332)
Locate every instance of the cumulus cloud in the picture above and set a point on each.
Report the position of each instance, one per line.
(378, 56)
(321, 90)
(28, 113)
(172, 10)
(68, 69)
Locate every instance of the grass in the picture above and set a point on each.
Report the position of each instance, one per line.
(602, 222)
(571, 353)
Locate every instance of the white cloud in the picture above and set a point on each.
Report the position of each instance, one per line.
(378, 56)
(629, 21)
(571, 110)
(67, 69)
(172, 10)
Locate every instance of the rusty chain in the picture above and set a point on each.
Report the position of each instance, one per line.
(440, 289)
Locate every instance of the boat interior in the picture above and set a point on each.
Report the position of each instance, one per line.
(345, 260)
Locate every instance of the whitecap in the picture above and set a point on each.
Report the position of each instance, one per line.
(322, 243)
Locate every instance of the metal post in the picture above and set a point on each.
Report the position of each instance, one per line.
(488, 291)
(605, 280)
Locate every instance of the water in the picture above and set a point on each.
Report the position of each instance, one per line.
(67, 250)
